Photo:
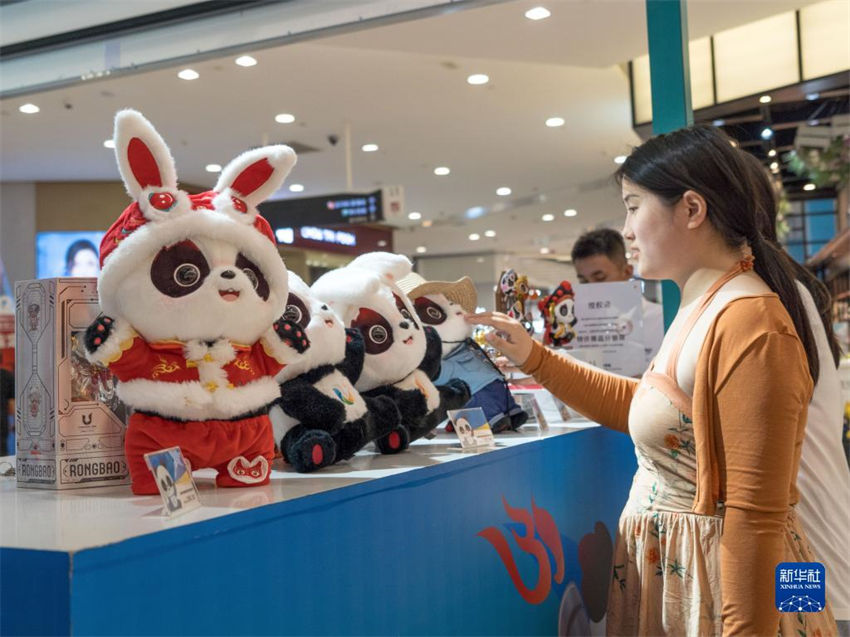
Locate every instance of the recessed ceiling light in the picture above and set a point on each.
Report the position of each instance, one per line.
(414, 216)
(479, 260)
(213, 168)
(296, 188)
(382, 244)
(766, 132)
(545, 250)
(284, 118)
(555, 122)
(474, 236)
(809, 186)
(29, 109)
(426, 223)
(490, 233)
(570, 212)
(733, 143)
(109, 143)
(718, 122)
(369, 148)
(504, 191)
(774, 166)
(548, 217)
(477, 79)
(812, 96)
(442, 170)
(246, 61)
(188, 74)
(771, 152)
(765, 99)
(620, 159)
(421, 250)
(538, 13)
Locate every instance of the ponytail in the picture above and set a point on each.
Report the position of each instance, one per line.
(774, 267)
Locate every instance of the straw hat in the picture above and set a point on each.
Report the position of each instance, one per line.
(461, 291)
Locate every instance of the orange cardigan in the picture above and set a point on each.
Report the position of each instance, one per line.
(751, 394)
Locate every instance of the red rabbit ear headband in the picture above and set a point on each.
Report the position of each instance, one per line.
(162, 214)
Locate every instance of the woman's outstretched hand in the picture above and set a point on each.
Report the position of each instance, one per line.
(509, 336)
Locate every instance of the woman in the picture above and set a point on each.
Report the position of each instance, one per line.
(824, 477)
(718, 418)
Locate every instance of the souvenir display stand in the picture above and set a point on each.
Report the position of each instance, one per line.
(424, 542)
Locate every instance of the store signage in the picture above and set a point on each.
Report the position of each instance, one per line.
(312, 233)
(384, 205)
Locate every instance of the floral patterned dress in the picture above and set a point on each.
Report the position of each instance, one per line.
(666, 567)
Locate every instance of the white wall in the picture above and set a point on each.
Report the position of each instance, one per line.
(17, 230)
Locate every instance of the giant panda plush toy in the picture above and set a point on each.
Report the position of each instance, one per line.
(320, 418)
(192, 290)
(442, 305)
(402, 356)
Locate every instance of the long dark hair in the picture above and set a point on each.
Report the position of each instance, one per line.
(702, 159)
(766, 209)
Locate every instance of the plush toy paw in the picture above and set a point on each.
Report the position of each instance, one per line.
(395, 441)
(98, 332)
(455, 393)
(291, 334)
(312, 450)
(518, 419)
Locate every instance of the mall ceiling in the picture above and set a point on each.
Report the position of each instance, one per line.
(403, 87)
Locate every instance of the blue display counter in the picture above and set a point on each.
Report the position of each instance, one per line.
(429, 542)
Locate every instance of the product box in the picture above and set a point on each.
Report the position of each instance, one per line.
(68, 419)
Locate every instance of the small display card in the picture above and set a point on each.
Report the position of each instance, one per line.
(174, 481)
(529, 404)
(472, 428)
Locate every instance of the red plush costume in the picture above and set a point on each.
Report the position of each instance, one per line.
(558, 312)
(192, 289)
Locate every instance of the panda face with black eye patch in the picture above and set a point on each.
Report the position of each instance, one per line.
(199, 288)
(322, 326)
(394, 340)
(508, 282)
(444, 316)
(564, 312)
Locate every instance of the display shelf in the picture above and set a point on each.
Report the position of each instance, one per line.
(376, 545)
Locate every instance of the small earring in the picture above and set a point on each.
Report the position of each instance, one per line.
(747, 258)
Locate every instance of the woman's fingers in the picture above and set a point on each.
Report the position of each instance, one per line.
(499, 343)
(494, 319)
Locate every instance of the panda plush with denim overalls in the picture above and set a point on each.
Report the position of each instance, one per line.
(442, 305)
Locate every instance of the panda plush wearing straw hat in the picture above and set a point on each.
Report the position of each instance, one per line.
(320, 418)
(192, 290)
(402, 356)
(442, 305)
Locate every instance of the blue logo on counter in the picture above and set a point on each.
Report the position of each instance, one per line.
(800, 587)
